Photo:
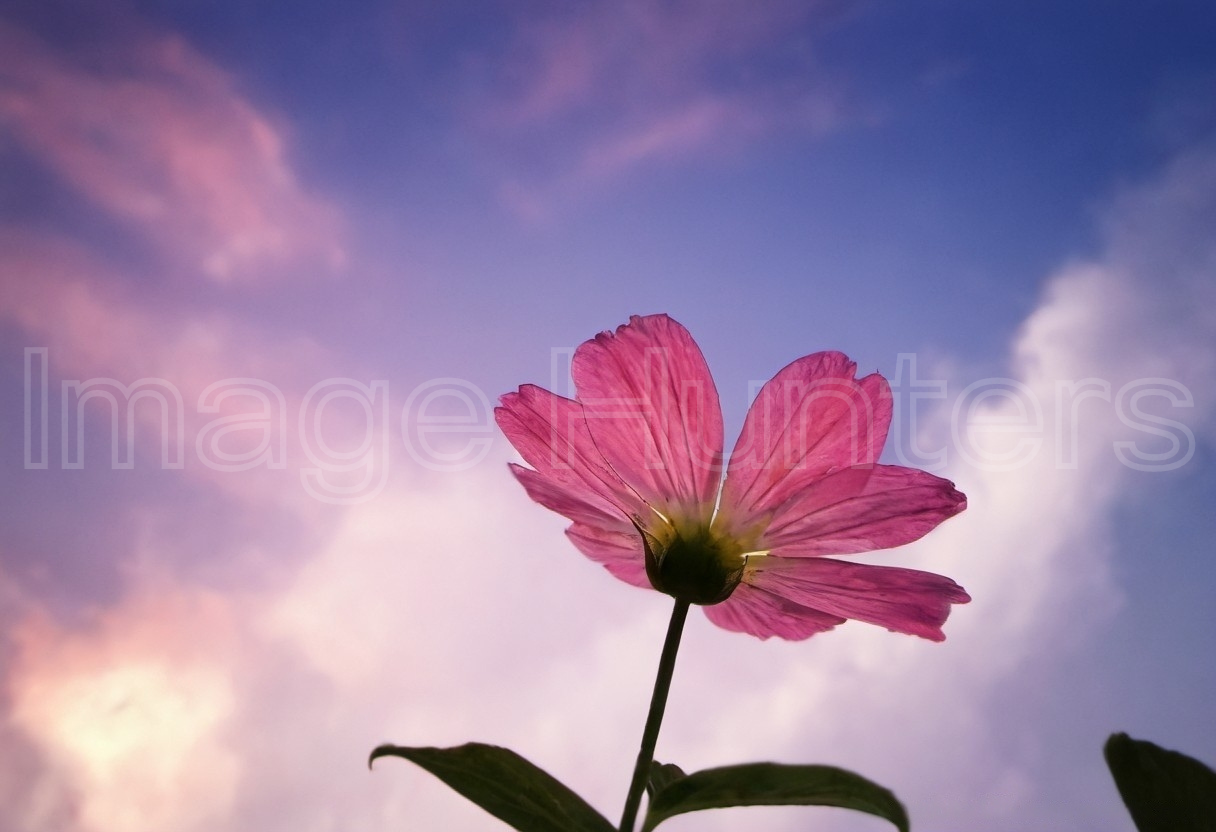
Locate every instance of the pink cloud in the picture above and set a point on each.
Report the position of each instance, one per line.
(637, 52)
(157, 135)
(65, 299)
(180, 708)
(611, 88)
(127, 715)
(666, 136)
(70, 299)
(560, 74)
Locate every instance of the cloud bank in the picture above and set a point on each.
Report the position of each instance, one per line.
(245, 696)
(451, 609)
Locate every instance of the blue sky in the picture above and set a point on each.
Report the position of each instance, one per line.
(446, 200)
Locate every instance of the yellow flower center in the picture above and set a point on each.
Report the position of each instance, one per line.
(693, 563)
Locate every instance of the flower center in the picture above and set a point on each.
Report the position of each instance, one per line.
(693, 564)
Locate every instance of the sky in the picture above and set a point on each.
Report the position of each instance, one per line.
(266, 268)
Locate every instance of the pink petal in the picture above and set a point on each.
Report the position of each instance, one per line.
(810, 419)
(617, 550)
(902, 600)
(653, 410)
(550, 433)
(761, 613)
(859, 510)
(581, 507)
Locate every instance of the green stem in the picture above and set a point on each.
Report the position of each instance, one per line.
(658, 702)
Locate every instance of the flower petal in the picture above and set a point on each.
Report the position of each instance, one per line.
(581, 507)
(902, 600)
(653, 410)
(859, 510)
(812, 418)
(617, 550)
(758, 612)
(550, 433)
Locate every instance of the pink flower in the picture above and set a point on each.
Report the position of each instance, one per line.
(635, 464)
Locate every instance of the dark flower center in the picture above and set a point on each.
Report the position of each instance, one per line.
(693, 565)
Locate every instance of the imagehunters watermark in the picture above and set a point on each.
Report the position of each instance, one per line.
(339, 436)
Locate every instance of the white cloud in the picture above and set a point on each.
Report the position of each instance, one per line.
(1035, 545)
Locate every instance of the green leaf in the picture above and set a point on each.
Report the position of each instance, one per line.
(1164, 791)
(506, 785)
(661, 775)
(774, 784)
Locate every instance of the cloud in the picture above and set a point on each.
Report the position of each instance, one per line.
(585, 96)
(1035, 549)
(187, 709)
(126, 714)
(157, 136)
(1047, 465)
(73, 300)
(450, 608)
(66, 299)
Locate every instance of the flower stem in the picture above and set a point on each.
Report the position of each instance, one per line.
(658, 702)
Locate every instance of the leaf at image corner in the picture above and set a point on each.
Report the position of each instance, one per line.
(1164, 791)
(506, 785)
(774, 784)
